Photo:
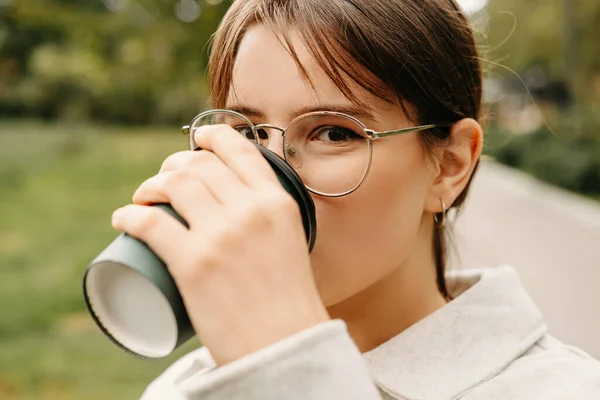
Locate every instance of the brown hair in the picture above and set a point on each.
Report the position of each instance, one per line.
(417, 53)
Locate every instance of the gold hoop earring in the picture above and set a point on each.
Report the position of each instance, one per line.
(440, 224)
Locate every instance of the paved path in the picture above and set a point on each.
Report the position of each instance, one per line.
(550, 236)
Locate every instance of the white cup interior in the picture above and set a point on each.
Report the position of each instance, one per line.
(132, 309)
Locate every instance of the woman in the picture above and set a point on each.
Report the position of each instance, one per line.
(371, 312)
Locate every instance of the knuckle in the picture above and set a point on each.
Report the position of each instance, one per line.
(246, 147)
(250, 214)
(226, 241)
(202, 263)
(201, 157)
(265, 208)
(175, 161)
(177, 180)
(278, 202)
(147, 220)
(179, 176)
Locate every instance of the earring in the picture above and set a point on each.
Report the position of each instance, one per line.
(440, 224)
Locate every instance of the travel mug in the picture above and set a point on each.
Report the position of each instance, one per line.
(133, 298)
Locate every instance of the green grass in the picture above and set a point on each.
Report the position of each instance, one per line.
(58, 187)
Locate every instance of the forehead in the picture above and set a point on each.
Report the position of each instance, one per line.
(266, 77)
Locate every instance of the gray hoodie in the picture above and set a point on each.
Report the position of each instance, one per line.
(490, 342)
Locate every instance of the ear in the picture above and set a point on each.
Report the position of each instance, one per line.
(455, 164)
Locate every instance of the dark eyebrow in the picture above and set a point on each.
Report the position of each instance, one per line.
(355, 111)
(247, 111)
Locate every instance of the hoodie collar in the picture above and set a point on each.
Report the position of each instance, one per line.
(490, 323)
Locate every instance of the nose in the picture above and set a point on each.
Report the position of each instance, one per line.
(275, 138)
(276, 143)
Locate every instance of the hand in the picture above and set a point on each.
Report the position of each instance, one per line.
(242, 267)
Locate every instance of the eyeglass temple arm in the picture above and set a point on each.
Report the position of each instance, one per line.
(376, 135)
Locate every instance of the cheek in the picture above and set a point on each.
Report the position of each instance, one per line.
(364, 236)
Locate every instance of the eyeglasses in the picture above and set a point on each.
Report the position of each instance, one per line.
(330, 151)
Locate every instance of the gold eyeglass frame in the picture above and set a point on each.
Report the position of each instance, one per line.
(370, 136)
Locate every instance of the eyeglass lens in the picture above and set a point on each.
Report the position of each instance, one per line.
(330, 152)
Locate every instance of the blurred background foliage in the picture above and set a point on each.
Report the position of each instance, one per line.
(124, 61)
(141, 62)
(542, 88)
(92, 95)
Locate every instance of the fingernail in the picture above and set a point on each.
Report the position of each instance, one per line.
(116, 217)
(199, 132)
(196, 136)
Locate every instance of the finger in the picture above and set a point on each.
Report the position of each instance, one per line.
(176, 160)
(187, 194)
(153, 226)
(238, 153)
(218, 178)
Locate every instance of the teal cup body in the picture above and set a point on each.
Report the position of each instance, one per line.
(133, 298)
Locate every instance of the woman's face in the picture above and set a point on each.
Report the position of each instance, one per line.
(366, 235)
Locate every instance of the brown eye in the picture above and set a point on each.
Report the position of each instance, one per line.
(262, 134)
(245, 131)
(335, 134)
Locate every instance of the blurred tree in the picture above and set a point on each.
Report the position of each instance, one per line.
(143, 61)
(557, 35)
(121, 60)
